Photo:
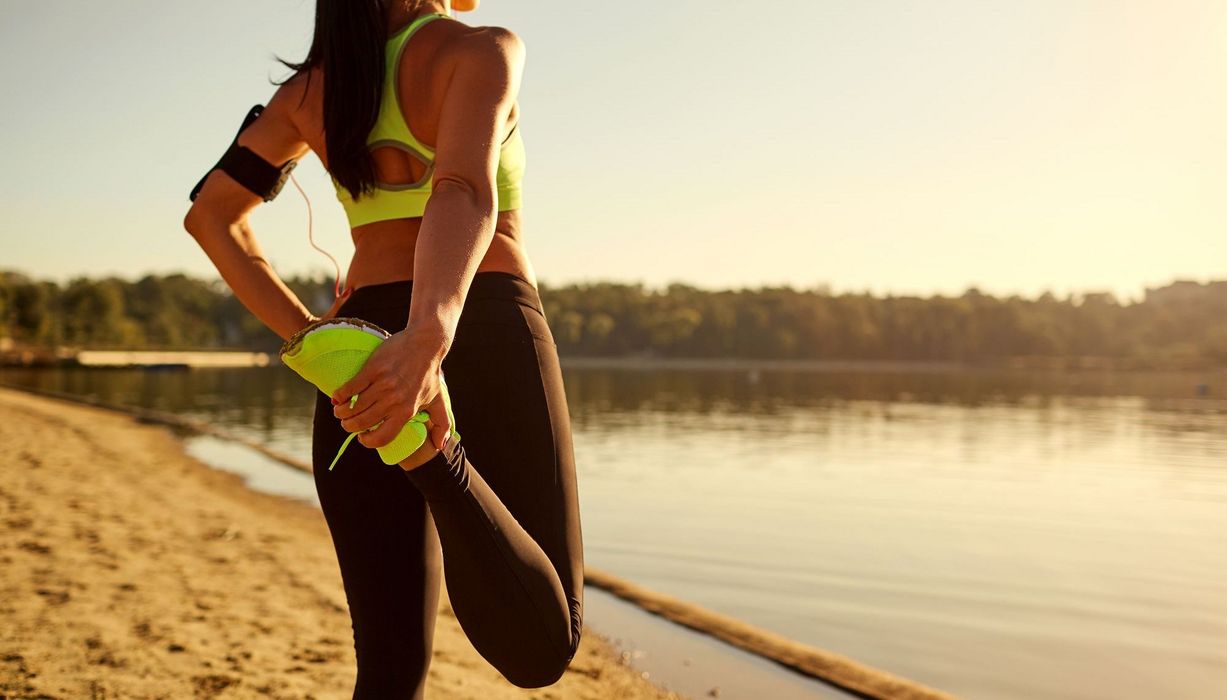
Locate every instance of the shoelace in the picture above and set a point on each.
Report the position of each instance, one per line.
(421, 417)
(342, 450)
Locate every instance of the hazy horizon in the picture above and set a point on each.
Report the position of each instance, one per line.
(892, 148)
(317, 273)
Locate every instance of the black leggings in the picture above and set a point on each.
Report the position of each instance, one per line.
(499, 511)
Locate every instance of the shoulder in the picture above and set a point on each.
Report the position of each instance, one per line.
(295, 93)
(494, 51)
(497, 42)
(297, 103)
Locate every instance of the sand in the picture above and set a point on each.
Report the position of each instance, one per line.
(130, 570)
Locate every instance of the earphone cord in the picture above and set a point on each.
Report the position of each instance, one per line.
(336, 287)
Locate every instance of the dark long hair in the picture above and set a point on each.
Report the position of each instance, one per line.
(348, 46)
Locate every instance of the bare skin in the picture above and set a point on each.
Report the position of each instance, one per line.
(457, 85)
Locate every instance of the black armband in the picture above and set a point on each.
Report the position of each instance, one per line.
(247, 168)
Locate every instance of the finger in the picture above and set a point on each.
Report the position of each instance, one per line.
(350, 408)
(384, 433)
(367, 419)
(360, 382)
(439, 436)
(441, 427)
(432, 434)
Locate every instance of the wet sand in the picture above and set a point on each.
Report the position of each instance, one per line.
(130, 570)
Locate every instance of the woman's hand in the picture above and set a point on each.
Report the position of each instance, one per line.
(398, 379)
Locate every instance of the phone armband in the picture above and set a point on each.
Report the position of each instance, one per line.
(249, 169)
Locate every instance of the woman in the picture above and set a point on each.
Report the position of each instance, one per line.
(413, 113)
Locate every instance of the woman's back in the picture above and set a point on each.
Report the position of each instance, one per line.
(406, 195)
(385, 227)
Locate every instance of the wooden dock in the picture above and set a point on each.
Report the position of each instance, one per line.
(146, 358)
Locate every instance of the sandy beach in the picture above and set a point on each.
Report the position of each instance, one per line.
(130, 570)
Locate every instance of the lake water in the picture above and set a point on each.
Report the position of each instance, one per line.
(995, 535)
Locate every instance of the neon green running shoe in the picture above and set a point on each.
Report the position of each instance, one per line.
(329, 352)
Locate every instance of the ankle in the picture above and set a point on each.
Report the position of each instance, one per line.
(421, 456)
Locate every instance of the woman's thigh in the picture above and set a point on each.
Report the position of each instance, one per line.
(506, 388)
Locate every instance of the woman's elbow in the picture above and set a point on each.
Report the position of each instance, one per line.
(481, 196)
(194, 221)
(206, 222)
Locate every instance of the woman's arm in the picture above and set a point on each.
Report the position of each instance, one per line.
(457, 228)
(458, 223)
(218, 220)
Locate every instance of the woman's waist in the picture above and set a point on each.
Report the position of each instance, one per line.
(487, 286)
(498, 305)
(388, 257)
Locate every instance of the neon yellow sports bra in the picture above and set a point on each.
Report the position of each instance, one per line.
(396, 201)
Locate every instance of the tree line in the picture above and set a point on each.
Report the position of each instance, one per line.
(1181, 324)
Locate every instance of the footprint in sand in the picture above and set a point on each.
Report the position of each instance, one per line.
(89, 535)
(13, 669)
(101, 655)
(35, 547)
(212, 685)
(316, 656)
(54, 597)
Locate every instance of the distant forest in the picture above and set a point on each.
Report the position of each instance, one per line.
(1183, 324)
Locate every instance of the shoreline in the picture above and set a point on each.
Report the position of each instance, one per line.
(130, 569)
(826, 667)
(188, 359)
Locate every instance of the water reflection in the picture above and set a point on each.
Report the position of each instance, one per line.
(995, 534)
(261, 393)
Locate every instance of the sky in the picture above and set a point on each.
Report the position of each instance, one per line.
(905, 147)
